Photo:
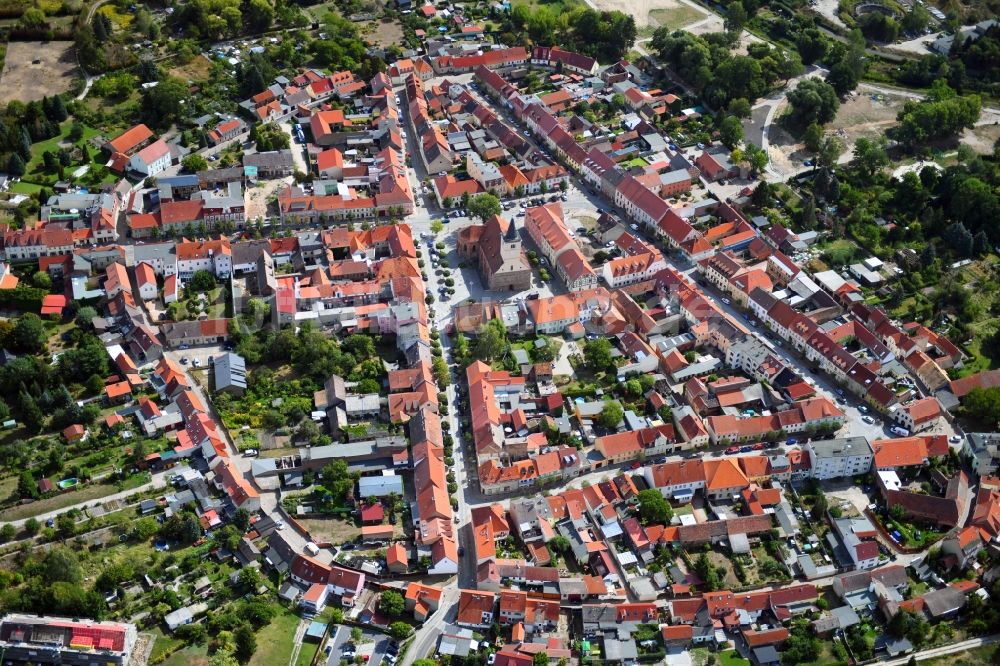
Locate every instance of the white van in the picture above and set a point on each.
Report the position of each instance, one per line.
(902, 432)
(312, 549)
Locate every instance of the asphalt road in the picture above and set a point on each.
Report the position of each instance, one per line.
(336, 644)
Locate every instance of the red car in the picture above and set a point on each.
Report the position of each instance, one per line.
(636, 465)
(732, 449)
(759, 446)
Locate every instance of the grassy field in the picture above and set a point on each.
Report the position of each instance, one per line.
(163, 644)
(559, 6)
(677, 17)
(981, 656)
(198, 69)
(86, 494)
(275, 641)
(195, 655)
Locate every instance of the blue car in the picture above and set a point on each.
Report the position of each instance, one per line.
(791, 440)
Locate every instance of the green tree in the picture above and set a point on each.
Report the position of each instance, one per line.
(929, 119)
(879, 27)
(597, 354)
(241, 520)
(246, 642)
(31, 415)
(259, 14)
(811, 45)
(164, 102)
(559, 543)
(28, 334)
(193, 163)
(654, 509)
(982, 404)
(337, 480)
(813, 101)
(26, 486)
(739, 108)
(31, 526)
(400, 630)
(484, 206)
(756, 156)
(813, 137)
(61, 565)
(7, 532)
(915, 20)
(829, 152)
(736, 17)
(540, 659)
(870, 156)
(15, 165)
(731, 132)
(611, 415)
(33, 18)
(65, 525)
(392, 603)
(202, 281)
(492, 343)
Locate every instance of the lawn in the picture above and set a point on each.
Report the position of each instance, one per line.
(162, 645)
(275, 641)
(684, 510)
(732, 658)
(307, 653)
(839, 252)
(37, 149)
(85, 494)
(25, 188)
(674, 18)
(193, 655)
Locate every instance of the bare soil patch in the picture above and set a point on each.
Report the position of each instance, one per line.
(330, 530)
(676, 17)
(33, 70)
(982, 139)
(654, 13)
(862, 115)
(198, 69)
(383, 33)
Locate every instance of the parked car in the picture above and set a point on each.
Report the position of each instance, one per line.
(863, 409)
(732, 449)
(759, 446)
(955, 439)
(868, 419)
